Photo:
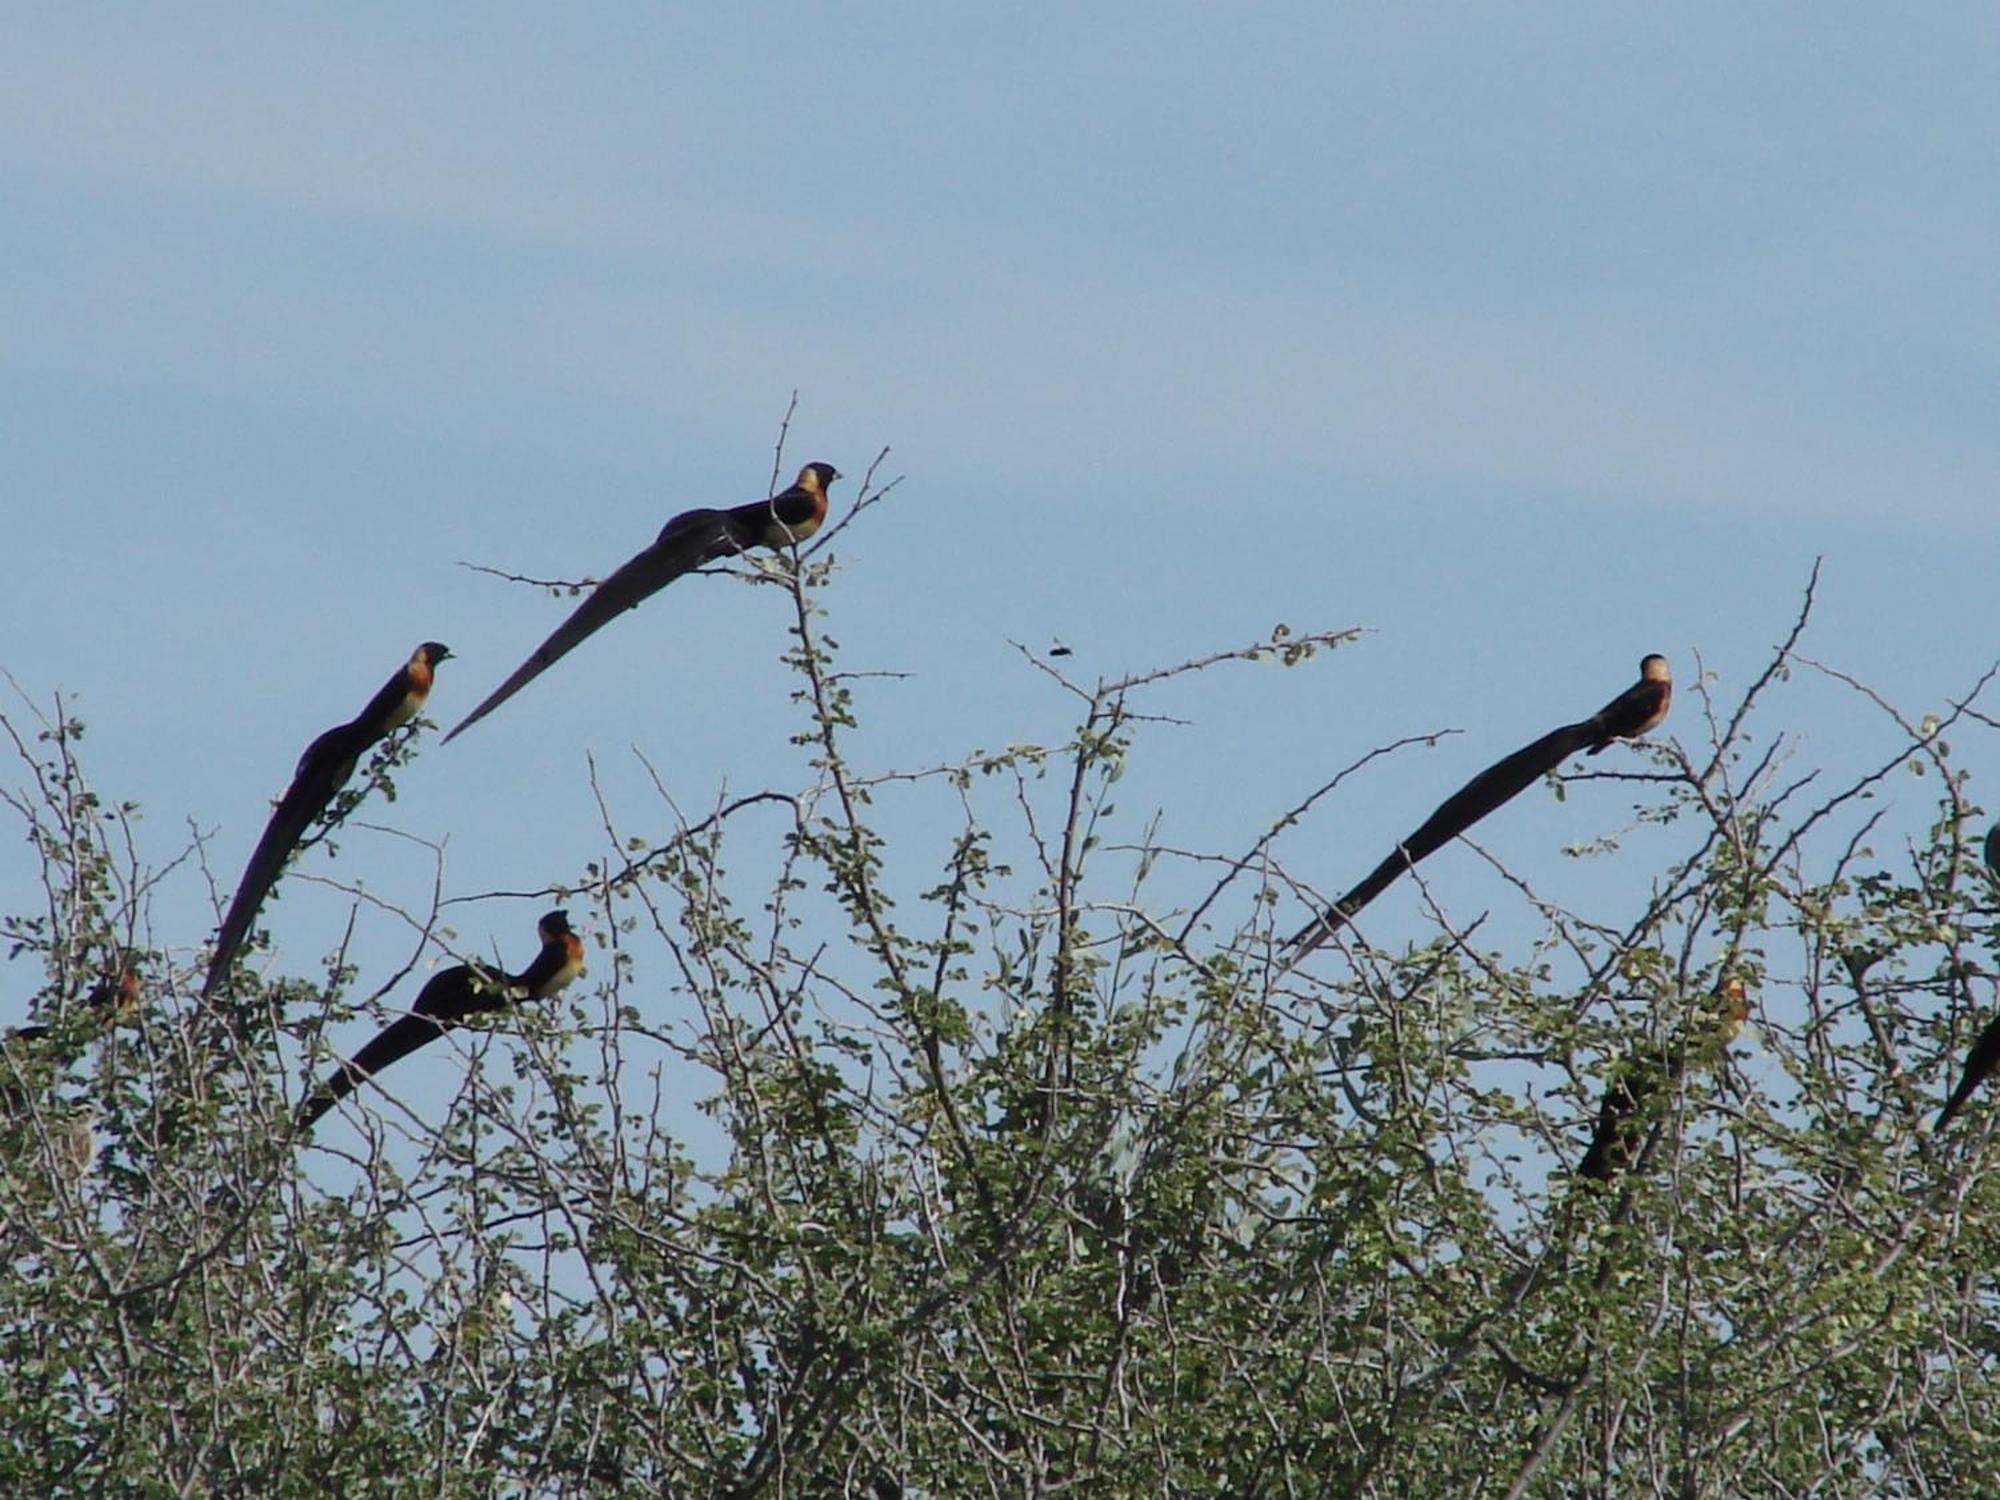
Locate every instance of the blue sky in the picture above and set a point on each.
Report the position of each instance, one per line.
(1529, 340)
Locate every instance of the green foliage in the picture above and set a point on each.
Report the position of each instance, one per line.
(1022, 1164)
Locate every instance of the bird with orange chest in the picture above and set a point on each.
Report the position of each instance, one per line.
(328, 763)
(688, 541)
(449, 999)
(1639, 708)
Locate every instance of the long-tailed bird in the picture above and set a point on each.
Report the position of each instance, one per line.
(1979, 1064)
(449, 999)
(1633, 712)
(323, 770)
(689, 541)
(1615, 1143)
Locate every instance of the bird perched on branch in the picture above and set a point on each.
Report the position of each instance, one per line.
(1634, 711)
(322, 771)
(690, 540)
(450, 998)
(1615, 1143)
(1639, 708)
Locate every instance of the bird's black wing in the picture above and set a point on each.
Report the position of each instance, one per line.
(1631, 713)
(387, 710)
(788, 517)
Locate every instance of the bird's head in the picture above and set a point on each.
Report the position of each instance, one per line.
(430, 653)
(554, 925)
(817, 477)
(1654, 669)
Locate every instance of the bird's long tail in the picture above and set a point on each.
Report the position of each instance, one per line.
(302, 803)
(687, 542)
(392, 1044)
(1490, 790)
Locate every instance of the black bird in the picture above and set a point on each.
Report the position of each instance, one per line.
(1632, 712)
(1614, 1144)
(323, 770)
(690, 540)
(450, 998)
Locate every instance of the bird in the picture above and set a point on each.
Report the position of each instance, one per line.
(1632, 712)
(113, 999)
(690, 540)
(1991, 850)
(1639, 708)
(1615, 1143)
(66, 1124)
(450, 998)
(323, 770)
(1979, 1063)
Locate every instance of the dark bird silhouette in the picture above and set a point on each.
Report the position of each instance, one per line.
(689, 541)
(1639, 708)
(323, 770)
(1979, 1064)
(1632, 712)
(1992, 850)
(450, 998)
(1615, 1143)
